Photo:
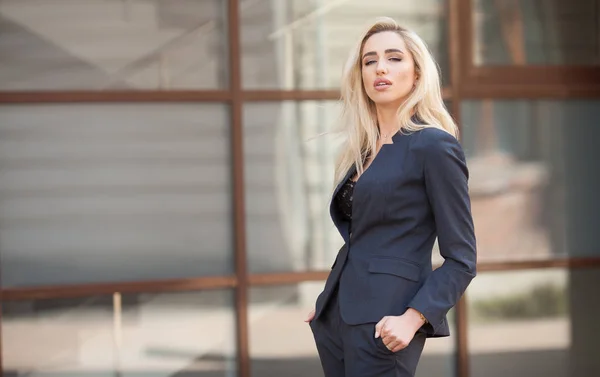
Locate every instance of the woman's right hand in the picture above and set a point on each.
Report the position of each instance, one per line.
(310, 316)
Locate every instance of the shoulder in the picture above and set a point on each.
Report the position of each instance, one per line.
(432, 138)
(434, 143)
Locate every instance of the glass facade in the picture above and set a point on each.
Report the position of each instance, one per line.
(280, 341)
(166, 170)
(149, 334)
(114, 192)
(524, 323)
(532, 32)
(531, 164)
(297, 44)
(288, 178)
(113, 45)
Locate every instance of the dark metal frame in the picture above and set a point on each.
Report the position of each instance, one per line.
(468, 82)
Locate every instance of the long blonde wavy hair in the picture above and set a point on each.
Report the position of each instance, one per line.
(358, 118)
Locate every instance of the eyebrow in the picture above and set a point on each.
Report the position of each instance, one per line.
(386, 51)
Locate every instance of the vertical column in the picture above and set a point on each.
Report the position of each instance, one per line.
(1, 366)
(459, 55)
(241, 297)
(1, 306)
(580, 132)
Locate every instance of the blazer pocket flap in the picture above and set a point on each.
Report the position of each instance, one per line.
(395, 267)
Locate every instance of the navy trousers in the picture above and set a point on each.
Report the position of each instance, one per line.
(353, 351)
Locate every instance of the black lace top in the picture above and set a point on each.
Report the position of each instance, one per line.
(344, 199)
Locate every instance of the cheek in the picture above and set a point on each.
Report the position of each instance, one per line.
(367, 80)
(405, 76)
(366, 77)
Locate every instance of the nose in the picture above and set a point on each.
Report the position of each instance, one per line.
(381, 67)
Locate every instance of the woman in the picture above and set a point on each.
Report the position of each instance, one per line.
(401, 181)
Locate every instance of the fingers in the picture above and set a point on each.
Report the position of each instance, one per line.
(379, 326)
(400, 346)
(396, 348)
(393, 343)
(310, 316)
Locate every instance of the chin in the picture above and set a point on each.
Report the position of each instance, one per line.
(387, 98)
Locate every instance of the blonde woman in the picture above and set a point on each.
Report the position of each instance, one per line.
(401, 181)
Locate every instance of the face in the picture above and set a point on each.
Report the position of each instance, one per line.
(388, 69)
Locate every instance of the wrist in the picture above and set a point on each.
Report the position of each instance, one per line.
(415, 317)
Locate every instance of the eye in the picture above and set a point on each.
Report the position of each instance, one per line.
(394, 59)
(369, 62)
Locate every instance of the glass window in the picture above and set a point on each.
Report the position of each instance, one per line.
(548, 32)
(289, 156)
(533, 183)
(113, 44)
(298, 44)
(118, 192)
(280, 340)
(534, 323)
(288, 180)
(152, 335)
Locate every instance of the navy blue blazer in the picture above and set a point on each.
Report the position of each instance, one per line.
(415, 190)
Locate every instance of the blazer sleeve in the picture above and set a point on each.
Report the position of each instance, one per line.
(446, 183)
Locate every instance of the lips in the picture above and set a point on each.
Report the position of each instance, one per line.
(382, 84)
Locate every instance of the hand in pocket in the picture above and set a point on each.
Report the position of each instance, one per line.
(310, 316)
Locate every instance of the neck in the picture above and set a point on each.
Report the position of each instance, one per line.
(387, 118)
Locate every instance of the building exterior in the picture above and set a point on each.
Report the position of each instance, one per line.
(165, 172)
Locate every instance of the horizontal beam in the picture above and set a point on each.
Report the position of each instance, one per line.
(92, 96)
(571, 263)
(266, 279)
(68, 291)
(528, 92)
(114, 96)
(283, 278)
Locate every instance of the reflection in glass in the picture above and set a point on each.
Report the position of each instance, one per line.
(548, 32)
(281, 342)
(288, 180)
(153, 335)
(521, 322)
(114, 193)
(113, 44)
(533, 185)
(534, 323)
(298, 44)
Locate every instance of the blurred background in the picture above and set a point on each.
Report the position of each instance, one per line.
(164, 194)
